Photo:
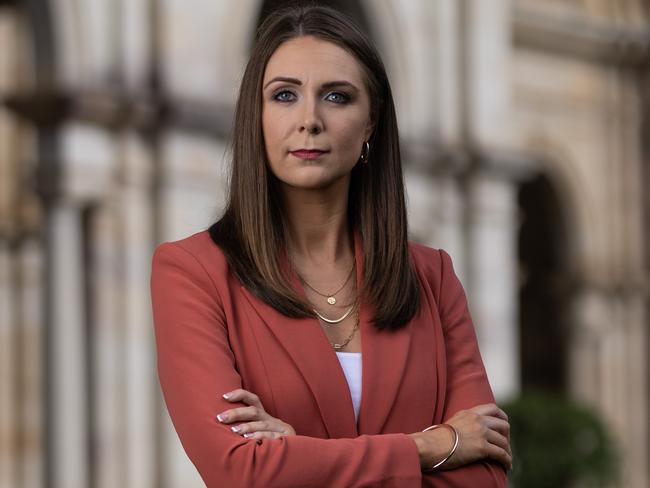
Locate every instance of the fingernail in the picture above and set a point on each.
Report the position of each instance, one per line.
(235, 428)
(248, 434)
(227, 395)
(222, 417)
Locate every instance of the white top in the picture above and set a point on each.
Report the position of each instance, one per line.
(351, 364)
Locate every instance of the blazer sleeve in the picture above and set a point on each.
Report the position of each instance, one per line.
(467, 381)
(196, 365)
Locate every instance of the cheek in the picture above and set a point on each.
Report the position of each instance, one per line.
(349, 134)
(272, 130)
(276, 127)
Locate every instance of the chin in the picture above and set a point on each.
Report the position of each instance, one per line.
(316, 184)
(313, 178)
(321, 182)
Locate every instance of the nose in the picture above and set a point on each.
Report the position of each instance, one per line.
(311, 120)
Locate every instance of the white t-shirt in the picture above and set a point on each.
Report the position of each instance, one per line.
(351, 364)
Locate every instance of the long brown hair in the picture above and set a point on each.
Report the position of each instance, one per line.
(250, 232)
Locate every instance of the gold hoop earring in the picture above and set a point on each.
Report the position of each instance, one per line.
(365, 152)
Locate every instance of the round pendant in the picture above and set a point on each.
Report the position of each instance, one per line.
(331, 300)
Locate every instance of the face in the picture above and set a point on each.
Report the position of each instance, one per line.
(315, 113)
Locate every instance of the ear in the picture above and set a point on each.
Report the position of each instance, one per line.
(369, 129)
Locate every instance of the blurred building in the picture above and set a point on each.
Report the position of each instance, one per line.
(524, 127)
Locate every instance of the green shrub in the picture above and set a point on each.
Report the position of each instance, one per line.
(558, 443)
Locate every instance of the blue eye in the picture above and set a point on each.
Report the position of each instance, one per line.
(284, 96)
(338, 97)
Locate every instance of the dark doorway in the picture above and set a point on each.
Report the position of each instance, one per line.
(543, 288)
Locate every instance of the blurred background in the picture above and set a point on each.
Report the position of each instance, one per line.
(524, 126)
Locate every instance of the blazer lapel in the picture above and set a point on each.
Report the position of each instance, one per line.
(307, 345)
(384, 357)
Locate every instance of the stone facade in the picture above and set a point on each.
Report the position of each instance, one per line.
(113, 138)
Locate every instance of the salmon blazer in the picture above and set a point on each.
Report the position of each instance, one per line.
(213, 336)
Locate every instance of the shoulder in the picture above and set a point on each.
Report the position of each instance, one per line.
(190, 267)
(197, 250)
(427, 259)
(431, 264)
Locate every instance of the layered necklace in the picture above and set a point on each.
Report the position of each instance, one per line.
(340, 346)
(331, 300)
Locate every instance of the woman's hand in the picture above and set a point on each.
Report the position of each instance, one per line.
(253, 422)
(484, 432)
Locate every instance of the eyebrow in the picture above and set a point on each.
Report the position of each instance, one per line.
(295, 81)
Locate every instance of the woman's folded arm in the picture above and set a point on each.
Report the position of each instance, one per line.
(467, 382)
(196, 365)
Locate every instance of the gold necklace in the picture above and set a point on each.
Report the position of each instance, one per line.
(335, 321)
(331, 299)
(338, 347)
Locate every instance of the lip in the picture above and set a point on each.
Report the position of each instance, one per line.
(308, 153)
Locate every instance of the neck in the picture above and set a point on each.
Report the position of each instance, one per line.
(317, 224)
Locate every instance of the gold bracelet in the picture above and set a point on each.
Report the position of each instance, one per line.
(453, 449)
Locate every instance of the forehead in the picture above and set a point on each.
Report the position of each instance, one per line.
(311, 58)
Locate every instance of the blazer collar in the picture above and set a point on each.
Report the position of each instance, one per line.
(384, 356)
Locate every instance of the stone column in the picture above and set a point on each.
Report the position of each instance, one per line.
(67, 415)
(436, 214)
(421, 198)
(86, 157)
(633, 306)
(589, 315)
(491, 226)
(31, 347)
(136, 219)
(449, 232)
(8, 37)
(448, 71)
(109, 346)
(608, 369)
(486, 47)
(7, 370)
(491, 277)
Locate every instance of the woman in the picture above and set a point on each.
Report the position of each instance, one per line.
(302, 341)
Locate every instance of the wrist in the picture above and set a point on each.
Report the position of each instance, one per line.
(456, 436)
(421, 443)
(433, 446)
